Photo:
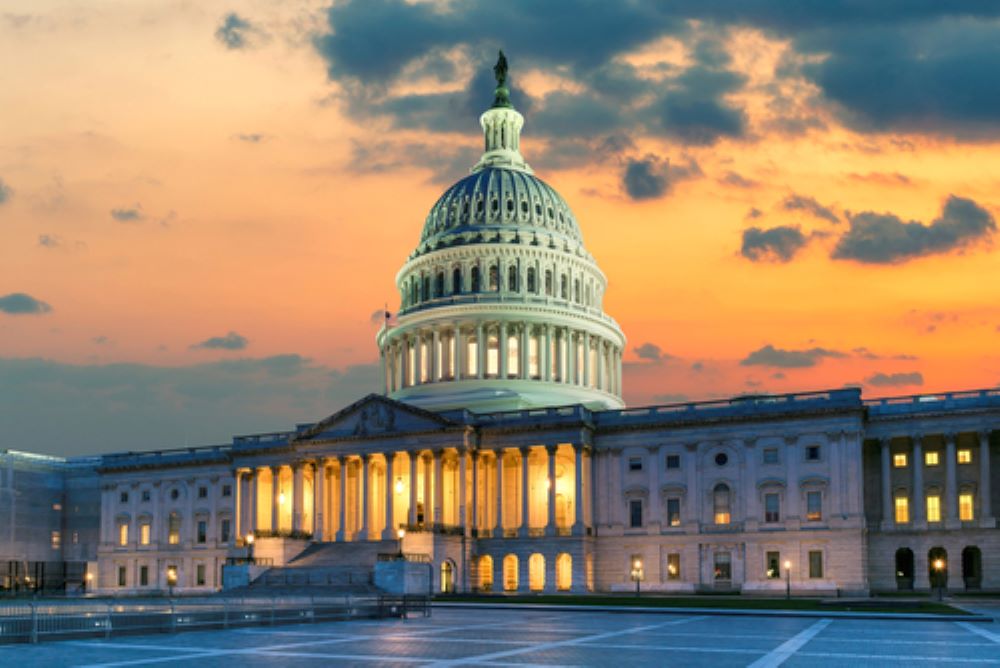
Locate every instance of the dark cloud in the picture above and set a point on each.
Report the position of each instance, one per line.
(251, 137)
(235, 32)
(869, 355)
(882, 178)
(651, 352)
(18, 303)
(651, 177)
(754, 213)
(5, 192)
(883, 238)
(49, 240)
(809, 204)
(788, 359)
(67, 409)
(895, 379)
(128, 215)
(231, 341)
(777, 244)
(101, 340)
(737, 181)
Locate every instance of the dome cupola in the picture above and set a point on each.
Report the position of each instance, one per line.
(500, 301)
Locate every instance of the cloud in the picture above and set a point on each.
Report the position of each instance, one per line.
(68, 409)
(737, 181)
(652, 177)
(867, 354)
(788, 359)
(778, 244)
(895, 379)
(127, 215)
(18, 303)
(49, 240)
(882, 178)
(883, 238)
(231, 341)
(235, 32)
(5, 192)
(651, 352)
(754, 213)
(101, 340)
(809, 204)
(251, 137)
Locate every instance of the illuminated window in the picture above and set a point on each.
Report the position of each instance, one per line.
(673, 566)
(965, 512)
(123, 533)
(773, 565)
(56, 540)
(965, 456)
(720, 498)
(674, 512)
(814, 506)
(931, 458)
(902, 510)
(899, 460)
(513, 356)
(492, 355)
(471, 356)
(564, 572)
(510, 573)
(536, 572)
(534, 368)
(934, 508)
(174, 529)
(144, 533)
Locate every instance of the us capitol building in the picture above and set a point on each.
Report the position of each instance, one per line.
(502, 449)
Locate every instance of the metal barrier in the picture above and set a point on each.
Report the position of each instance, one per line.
(33, 621)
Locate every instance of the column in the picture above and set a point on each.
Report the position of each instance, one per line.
(389, 532)
(254, 484)
(427, 498)
(599, 358)
(571, 357)
(418, 363)
(238, 504)
(342, 509)
(887, 514)
(951, 482)
(794, 457)
(462, 513)
(550, 525)
(363, 495)
(480, 351)
(498, 532)
(275, 498)
(525, 515)
(578, 501)
(437, 369)
(587, 371)
(546, 356)
(460, 365)
(474, 520)
(298, 497)
(438, 488)
(414, 456)
(319, 500)
(919, 508)
(523, 352)
(405, 373)
(985, 509)
(502, 333)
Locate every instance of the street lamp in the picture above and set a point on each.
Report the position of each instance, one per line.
(400, 534)
(171, 578)
(637, 574)
(249, 541)
(788, 580)
(87, 580)
(939, 571)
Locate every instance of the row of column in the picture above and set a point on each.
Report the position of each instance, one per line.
(951, 490)
(519, 350)
(330, 489)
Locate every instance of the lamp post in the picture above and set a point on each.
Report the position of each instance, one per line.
(87, 580)
(637, 574)
(939, 566)
(171, 579)
(400, 534)
(788, 580)
(249, 541)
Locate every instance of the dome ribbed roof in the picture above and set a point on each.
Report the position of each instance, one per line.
(514, 203)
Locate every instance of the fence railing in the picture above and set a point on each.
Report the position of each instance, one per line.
(34, 621)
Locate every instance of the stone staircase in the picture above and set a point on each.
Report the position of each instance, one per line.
(348, 567)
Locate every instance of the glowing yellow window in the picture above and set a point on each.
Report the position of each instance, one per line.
(902, 510)
(965, 507)
(965, 456)
(123, 534)
(899, 460)
(144, 534)
(933, 508)
(931, 458)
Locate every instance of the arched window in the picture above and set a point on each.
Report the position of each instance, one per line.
(512, 278)
(548, 282)
(721, 504)
(494, 278)
(513, 356)
(456, 281)
(492, 355)
(439, 285)
(904, 568)
(447, 577)
(536, 572)
(532, 288)
(427, 288)
(564, 572)
(937, 566)
(510, 573)
(475, 279)
(486, 573)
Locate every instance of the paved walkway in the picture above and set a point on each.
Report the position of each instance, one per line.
(530, 638)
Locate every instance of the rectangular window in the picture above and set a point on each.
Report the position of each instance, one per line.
(121, 576)
(899, 460)
(56, 540)
(227, 490)
(224, 531)
(816, 564)
(934, 508)
(902, 510)
(770, 455)
(144, 533)
(145, 495)
(965, 456)
(965, 512)
(772, 508)
(174, 529)
(814, 506)
(773, 561)
(144, 576)
(202, 531)
(673, 567)
(123, 497)
(812, 453)
(203, 492)
(75, 538)
(673, 461)
(123, 533)
(723, 566)
(673, 512)
(931, 458)
(199, 574)
(635, 513)
(635, 463)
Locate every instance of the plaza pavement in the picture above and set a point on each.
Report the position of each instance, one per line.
(463, 637)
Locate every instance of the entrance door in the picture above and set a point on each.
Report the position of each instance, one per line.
(447, 577)
(904, 569)
(723, 570)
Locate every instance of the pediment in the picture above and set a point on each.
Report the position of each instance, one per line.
(374, 415)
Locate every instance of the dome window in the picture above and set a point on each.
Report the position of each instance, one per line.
(550, 212)
(532, 288)
(439, 284)
(548, 282)
(479, 206)
(495, 205)
(512, 278)
(510, 206)
(456, 281)
(475, 279)
(538, 209)
(494, 278)
(563, 286)
(524, 207)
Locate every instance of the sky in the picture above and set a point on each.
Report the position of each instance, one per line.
(202, 204)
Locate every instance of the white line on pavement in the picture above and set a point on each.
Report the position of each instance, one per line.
(989, 635)
(881, 659)
(782, 652)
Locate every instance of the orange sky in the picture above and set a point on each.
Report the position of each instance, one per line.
(292, 245)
